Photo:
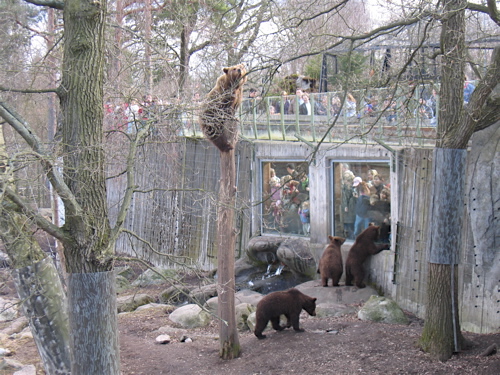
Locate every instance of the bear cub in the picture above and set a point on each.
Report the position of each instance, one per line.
(218, 121)
(330, 265)
(289, 303)
(363, 247)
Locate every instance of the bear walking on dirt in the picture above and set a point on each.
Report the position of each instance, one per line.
(363, 247)
(289, 303)
(330, 265)
(218, 121)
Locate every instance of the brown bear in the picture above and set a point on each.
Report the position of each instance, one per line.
(289, 303)
(218, 120)
(330, 265)
(363, 247)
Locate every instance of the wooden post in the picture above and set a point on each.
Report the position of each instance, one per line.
(226, 236)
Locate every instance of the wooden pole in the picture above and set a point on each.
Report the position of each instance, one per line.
(226, 236)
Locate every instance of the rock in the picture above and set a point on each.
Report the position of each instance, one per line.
(262, 250)
(382, 309)
(203, 294)
(333, 309)
(298, 256)
(17, 326)
(121, 283)
(130, 303)
(5, 352)
(8, 310)
(175, 294)
(243, 296)
(163, 339)
(159, 306)
(125, 271)
(243, 310)
(154, 276)
(190, 316)
(26, 370)
(340, 294)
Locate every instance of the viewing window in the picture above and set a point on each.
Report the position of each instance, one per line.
(285, 194)
(361, 195)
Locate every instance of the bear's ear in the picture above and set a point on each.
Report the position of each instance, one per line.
(314, 299)
(331, 238)
(225, 70)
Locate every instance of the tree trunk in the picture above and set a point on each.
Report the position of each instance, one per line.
(226, 236)
(441, 335)
(44, 305)
(93, 323)
(87, 247)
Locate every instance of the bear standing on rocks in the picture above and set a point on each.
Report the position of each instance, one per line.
(363, 247)
(330, 264)
(218, 120)
(289, 303)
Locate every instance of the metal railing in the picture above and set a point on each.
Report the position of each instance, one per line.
(392, 116)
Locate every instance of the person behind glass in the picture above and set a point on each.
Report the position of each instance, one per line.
(362, 206)
(290, 168)
(305, 108)
(369, 176)
(304, 218)
(320, 105)
(383, 206)
(348, 204)
(377, 185)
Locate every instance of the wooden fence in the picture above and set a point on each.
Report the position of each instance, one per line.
(174, 218)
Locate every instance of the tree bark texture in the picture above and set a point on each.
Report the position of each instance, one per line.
(93, 323)
(81, 94)
(441, 333)
(44, 305)
(226, 236)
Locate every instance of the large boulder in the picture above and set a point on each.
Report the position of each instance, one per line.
(296, 254)
(190, 316)
(132, 302)
(262, 250)
(175, 294)
(382, 309)
(154, 276)
(243, 310)
(243, 296)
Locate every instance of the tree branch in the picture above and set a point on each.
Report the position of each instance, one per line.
(23, 129)
(490, 9)
(47, 3)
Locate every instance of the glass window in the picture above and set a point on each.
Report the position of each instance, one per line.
(285, 188)
(362, 195)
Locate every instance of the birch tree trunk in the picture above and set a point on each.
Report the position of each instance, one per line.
(226, 236)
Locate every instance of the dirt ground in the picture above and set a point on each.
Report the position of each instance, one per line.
(339, 346)
(328, 346)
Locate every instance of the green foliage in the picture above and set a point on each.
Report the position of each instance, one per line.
(313, 67)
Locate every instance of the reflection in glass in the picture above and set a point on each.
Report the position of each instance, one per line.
(285, 187)
(362, 194)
